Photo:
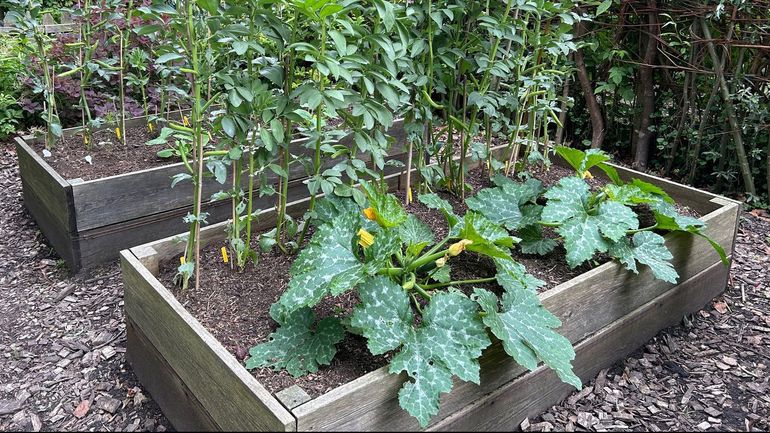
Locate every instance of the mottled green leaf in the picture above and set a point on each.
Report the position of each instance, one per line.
(296, 346)
(326, 265)
(649, 249)
(433, 201)
(449, 342)
(384, 315)
(526, 330)
(615, 219)
(503, 204)
(488, 238)
(533, 242)
(415, 234)
(387, 208)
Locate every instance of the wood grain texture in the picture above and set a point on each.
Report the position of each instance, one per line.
(372, 400)
(231, 395)
(47, 197)
(534, 392)
(165, 386)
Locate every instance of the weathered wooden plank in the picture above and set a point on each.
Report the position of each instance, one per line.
(164, 385)
(372, 399)
(529, 395)
(229, 393)
(48, 198)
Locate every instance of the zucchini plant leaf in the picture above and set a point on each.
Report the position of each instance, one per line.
(449, 342)
(415, 234)
(584, 233)
(533, 242)
(582, 161)
(649, 249)
(387, 208)
(384, 315)
(488, 238)
(296, 346)
(526, 330)
(326, 265)
(433, 201)
(503, 204)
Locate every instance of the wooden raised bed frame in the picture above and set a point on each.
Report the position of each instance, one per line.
(607, 313)
(89, 222)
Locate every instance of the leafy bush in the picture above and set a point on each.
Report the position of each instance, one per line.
(383, 254)
(10, 70)
(400, 272)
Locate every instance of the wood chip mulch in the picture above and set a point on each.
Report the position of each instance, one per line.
(63, 367)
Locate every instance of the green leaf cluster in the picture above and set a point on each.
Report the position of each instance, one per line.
(435, 327)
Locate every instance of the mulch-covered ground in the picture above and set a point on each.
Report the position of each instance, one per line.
(62, 348)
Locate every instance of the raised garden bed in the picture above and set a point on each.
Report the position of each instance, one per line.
(89, 222)
(607, 313)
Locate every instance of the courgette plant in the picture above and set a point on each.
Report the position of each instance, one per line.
(435, 326)
(590, 222)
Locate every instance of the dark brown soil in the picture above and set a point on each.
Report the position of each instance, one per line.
(235, 306)
(108, 156)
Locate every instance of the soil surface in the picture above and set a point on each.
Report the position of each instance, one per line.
(108, 156)
(62, 348)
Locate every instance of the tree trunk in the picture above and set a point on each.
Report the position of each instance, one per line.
(647, 88)
(597, 121)
(740, 151)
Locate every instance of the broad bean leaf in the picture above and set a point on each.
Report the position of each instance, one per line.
(296, 346)
(649, 249)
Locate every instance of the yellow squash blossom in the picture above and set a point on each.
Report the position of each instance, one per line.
(459, 246)
(370, 214)
(441, 262)
(587, 175)
(365, 239)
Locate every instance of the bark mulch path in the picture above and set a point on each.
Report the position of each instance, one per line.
(709, 373)
(62, 348)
